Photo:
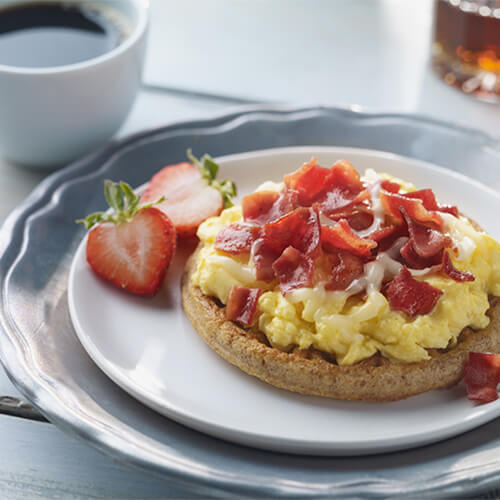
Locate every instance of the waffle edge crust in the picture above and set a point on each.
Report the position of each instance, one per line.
(311, 372)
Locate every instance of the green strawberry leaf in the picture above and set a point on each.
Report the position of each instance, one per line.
(124, 204)
(209, 170)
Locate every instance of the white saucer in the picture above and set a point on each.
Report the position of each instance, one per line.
(149, 348)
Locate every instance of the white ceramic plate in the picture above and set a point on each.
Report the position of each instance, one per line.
(149, 348)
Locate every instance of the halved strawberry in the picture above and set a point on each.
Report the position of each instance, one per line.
(192, 193)
(131, 246)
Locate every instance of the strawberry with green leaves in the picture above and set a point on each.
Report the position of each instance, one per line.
(192, 193)
(132, 244)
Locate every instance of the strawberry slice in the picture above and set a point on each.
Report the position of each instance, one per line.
(192, 193)
(131, 246)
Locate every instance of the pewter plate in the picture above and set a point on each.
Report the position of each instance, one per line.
(44, 359)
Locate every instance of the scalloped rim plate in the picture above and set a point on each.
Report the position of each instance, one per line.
(74, 394)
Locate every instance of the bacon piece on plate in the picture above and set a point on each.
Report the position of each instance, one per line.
(346, 267)
(383, 233)
(453, 272)
(341, 236)
(426, 242)
(430, 203)
(235, 239)
(242, 304)
(331, 189)
(293, 270)
(360, 220)
(481, 376)
(299, 229)
(359, 217)
(263, 258)
(393, 203)
(410, 296)
(308, 181)
(339, 198)
(392, 187)
(264, 207)
(415, 261)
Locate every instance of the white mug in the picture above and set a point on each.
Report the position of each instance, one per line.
(50, 116)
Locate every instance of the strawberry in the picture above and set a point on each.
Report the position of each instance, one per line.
(132, 245)
(192, 193)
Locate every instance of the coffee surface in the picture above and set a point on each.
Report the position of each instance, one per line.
(47, 34)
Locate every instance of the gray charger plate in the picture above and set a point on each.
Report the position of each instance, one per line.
(44, 359)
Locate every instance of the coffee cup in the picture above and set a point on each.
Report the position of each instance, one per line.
(52, 115)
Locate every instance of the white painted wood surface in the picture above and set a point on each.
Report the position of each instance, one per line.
(368, 52)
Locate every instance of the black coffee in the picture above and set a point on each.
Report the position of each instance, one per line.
(45, 34)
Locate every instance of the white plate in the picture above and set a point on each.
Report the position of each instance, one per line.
(149, 348)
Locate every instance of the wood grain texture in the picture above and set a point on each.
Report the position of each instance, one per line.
(38, 461)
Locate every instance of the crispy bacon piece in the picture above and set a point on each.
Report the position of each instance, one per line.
(392, 187)
(430, 203)
(263, 258)
(410, 296)
(299, 229)
(481, 376)
(346, 175)
(293, 270)
(415, 261)
(235, 239)
(393, 203)
(383, 233)
(360, 220)
(308, 181)
(339, 198)
(242, 304)
(330, 189)
(346, 267)
(341, 236)
(264, 207)
(426, 242)
(359, 217)
(453, 272)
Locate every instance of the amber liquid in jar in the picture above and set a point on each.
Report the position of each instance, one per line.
(466, 49)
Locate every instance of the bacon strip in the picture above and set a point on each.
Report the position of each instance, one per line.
(453, 272)
(481, 377)
(264, 207)
(293, 270)
(425, 241)
(429, 201)
(414, 207)
(242, 304)
(392, 187)
(410, 296)
(346, 267)
(300, 229)
(235, 239)
(330, 189)
(341, 236)
(415, 261)
(308, 181)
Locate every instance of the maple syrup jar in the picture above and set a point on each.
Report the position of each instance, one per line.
(69, 74)
(466, 48)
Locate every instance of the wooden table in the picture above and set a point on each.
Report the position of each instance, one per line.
(205, 58)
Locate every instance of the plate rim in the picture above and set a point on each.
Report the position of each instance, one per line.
(316, 447)
(11, 236)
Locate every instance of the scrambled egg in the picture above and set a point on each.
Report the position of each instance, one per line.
(348, 327)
